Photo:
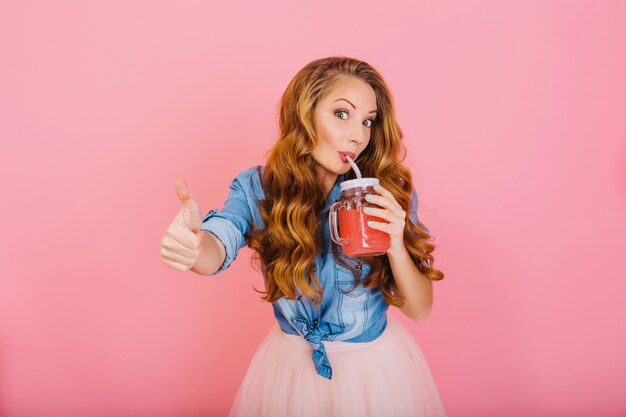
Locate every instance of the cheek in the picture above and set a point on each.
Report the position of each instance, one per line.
(329, 135)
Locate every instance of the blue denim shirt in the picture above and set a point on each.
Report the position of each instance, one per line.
(358, 316)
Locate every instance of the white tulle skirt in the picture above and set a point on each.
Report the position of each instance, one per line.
(388, 377)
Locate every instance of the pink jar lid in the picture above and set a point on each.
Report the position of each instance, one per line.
(359, 182)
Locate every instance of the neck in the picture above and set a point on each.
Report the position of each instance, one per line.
(328, 183)
(327, 179)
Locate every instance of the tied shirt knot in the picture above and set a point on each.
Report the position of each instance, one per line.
(315, 334)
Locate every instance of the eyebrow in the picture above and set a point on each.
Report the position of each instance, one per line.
(373, 111)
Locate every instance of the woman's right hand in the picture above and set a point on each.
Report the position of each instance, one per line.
(183, 240)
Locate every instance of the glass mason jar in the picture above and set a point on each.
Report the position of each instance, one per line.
(348, 221)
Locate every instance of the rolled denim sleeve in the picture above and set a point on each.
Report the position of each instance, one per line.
(231, 224)
(413, 215)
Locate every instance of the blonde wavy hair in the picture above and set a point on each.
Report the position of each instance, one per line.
(287, 247)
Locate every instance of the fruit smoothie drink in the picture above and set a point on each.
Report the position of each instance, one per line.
(361, 240)
(348, 222)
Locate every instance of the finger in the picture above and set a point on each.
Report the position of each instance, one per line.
(389, 228)
(177, 247)
(394, 222)
(385, 213)
(176, 265)
(381, 201)
(177, 257)
(191, 215)
(182, 191)
(183, 240)
(379, 213)
(387, 194)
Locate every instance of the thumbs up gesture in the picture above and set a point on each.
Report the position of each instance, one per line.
(183, 240)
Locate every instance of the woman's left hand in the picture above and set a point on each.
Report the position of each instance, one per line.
(393, 213)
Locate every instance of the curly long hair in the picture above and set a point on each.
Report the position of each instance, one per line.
(287, 247)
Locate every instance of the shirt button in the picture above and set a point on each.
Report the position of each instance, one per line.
(358, 266)
(315, 322)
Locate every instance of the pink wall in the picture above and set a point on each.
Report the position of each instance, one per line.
(514, 118)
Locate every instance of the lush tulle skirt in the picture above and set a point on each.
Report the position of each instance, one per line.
(388, 377)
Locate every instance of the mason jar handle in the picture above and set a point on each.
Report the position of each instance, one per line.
(332, 223)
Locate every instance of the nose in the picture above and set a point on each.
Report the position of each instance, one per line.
(355, 139)
(357, 135)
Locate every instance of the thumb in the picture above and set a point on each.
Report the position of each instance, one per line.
(192, 217)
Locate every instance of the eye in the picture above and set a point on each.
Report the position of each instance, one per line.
(368, 120)
(341, 111)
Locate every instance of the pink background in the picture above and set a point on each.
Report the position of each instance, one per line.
(514, 117)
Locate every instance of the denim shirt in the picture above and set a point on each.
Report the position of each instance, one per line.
(357, 316)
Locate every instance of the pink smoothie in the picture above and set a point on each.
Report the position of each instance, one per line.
(362, 239)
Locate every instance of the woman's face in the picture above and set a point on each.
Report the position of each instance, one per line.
(343, 122)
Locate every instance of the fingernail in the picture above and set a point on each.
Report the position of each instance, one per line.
(370, 223)
(377, 187)
(369, 197)
(367, 209)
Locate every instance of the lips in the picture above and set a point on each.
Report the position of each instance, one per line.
(352, 155)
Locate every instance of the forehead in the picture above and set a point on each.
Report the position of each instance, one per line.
(355, 90)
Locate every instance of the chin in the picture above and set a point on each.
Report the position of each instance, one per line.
(346, 170)
(324, 166)
(335, 169)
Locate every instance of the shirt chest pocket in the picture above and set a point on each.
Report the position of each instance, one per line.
(345, 280)
(352, 306)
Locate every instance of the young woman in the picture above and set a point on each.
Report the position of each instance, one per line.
(334, 350)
